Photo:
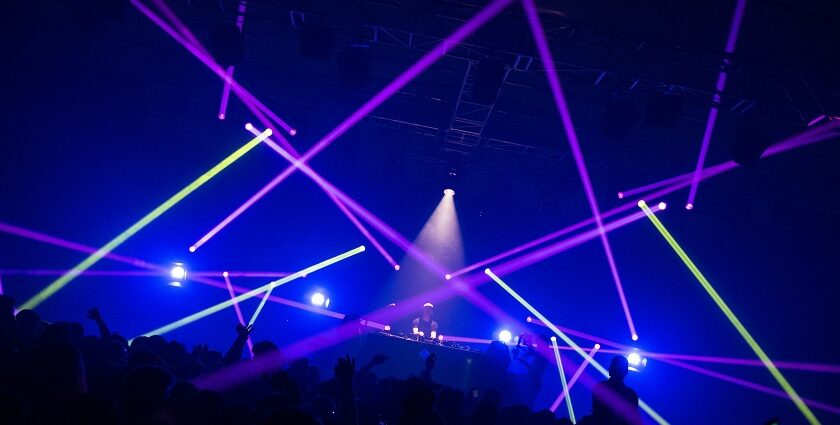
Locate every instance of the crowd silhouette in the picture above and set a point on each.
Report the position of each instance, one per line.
(52, 373)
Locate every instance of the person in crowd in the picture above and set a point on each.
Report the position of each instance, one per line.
(613, 402)
(52, 373)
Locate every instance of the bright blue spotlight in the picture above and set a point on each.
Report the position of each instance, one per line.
(318, 299)
(177, 274)
(505, 336)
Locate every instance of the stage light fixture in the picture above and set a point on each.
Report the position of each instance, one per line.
(387, 328)
(689, 206)
(634, 359)
(449, 192)
(318, 299)
(433, 334)
(553, 338)
(447, 276)
(635, 337)
(505, 336)
(662, 206)
(397, 267)
(177, 274)
(597, 346)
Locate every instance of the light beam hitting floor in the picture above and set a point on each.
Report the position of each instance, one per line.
(731, 316)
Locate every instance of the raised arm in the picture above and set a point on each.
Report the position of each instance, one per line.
(345, 369)
(96, 316)
(234, 354)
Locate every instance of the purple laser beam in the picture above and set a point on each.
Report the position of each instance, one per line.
(805, 138)
(238, 311)
(751, 385)
(572, 382)
(199, 51)
(51, 240)
(734, 27)
(412, 72)
(568, 126)
(204, 57)
(240, 23)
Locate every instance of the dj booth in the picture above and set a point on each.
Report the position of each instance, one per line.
(456, 366)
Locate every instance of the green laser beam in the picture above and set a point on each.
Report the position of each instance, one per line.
(731, 316)
(260, 307)
(563, 381)
(644, 406)
(252, 293)
(71, 274)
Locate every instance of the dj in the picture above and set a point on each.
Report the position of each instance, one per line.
(425, 324)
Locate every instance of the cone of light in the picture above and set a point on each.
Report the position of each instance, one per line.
(563, 379)
(731, 316)
(59, 283)
(252, 293)
(567, 340)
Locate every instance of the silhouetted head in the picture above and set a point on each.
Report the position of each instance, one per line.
(145, 390)
(264, 347)
(619, 367)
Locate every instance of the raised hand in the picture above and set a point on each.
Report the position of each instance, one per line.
(244, 331)
(94, 314)
(345, 368)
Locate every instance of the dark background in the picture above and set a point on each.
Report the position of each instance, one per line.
(104, 118)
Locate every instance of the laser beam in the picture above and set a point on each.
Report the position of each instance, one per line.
(623, 408)
(238, 311)
(734, 27)
(563, 379)
(574, 379)
(252, 293)
(470, 26)
(566, 117)
(59, 283)
(809, 416)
